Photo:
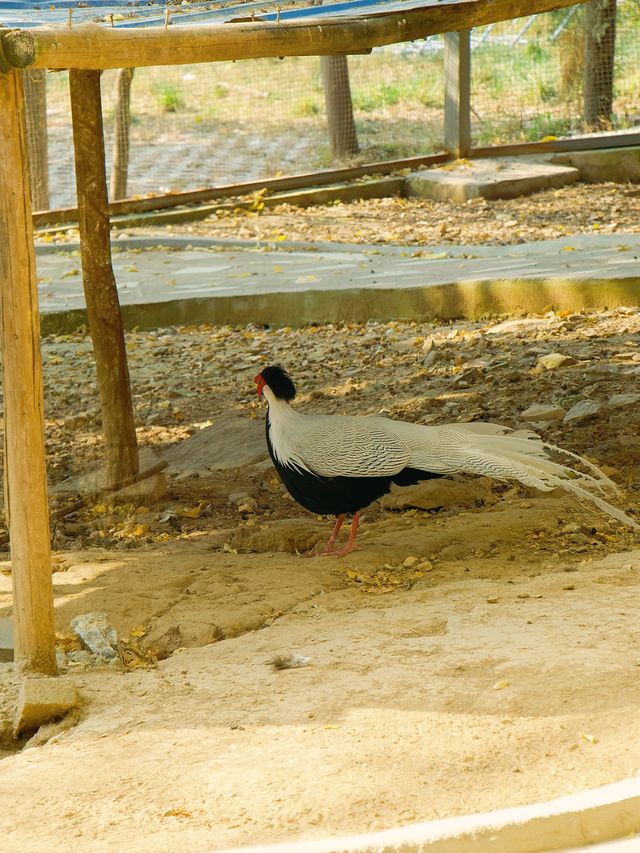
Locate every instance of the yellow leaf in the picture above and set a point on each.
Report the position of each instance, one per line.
(176, 813)
(500, 685)
(568, 248)
(195, 512)
(226, 547)
(139, 632)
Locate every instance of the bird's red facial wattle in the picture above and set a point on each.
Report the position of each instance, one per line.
(260, 383)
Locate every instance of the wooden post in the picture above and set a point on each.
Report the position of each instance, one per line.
(101, 295)
(26, 479)
(337, 94)
(599, 63)
(35, 90)
(457, 92)
(120, 155)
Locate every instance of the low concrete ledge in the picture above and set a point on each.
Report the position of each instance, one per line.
(467, 299)
(607, 164)
(603, 814)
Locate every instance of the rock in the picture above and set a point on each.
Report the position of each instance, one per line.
(582, 411)
(42, 700)
(168, 642)
(147, 491)
(619, 401)
(96, 634)
(542, 412)
(6, 639)
(188, 474)
(434, 494)
(229, 443)
(554, 360)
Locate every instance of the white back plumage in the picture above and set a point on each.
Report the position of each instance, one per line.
(369, 446)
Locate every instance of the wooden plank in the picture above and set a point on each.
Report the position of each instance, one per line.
(576, 143)
(26, 491)
(457, 93)
(35, 90)
(91, 46)
(291, 182)
(101, 295)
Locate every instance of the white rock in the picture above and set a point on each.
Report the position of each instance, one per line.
(618, 401)
(554, 360)
(542, 412)
(582, 411)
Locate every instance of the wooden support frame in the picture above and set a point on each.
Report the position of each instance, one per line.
(457, 93)
(91, 46)
(101, 295)
(26, 481)
(35, 89)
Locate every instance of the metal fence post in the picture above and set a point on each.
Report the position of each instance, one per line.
(457, 92)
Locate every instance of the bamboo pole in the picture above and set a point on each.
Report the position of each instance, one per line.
(101, 295)
(26, 479)
(91, 46)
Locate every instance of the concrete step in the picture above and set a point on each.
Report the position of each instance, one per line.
(499, 177)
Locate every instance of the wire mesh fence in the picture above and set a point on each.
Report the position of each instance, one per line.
(223, 123)
(529, 76)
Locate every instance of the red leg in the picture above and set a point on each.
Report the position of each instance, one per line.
(328, 548)
(352, 537)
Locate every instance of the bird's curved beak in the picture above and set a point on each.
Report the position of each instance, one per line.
(260, 383)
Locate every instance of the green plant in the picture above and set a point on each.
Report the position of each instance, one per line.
(305, 107)
(169, 97)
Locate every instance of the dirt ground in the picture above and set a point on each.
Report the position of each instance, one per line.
(480, 650)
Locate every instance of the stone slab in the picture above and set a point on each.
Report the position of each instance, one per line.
(498, 177)
(609, 164)
(228, 443)
(41, 700)
(6, 640)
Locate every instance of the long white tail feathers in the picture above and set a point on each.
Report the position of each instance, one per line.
(498, 452)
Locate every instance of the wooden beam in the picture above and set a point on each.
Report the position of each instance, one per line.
(35, 90)
(101, 295)
(273, 185)
(26, 492)
(457, 93)
(93, 46)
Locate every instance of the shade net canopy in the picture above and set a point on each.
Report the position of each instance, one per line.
(26, 14)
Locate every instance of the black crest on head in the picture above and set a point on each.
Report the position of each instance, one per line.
(279, 381)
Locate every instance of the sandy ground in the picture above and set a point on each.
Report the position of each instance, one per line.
(479, 651)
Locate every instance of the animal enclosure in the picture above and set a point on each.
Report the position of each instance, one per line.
(223, 123)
